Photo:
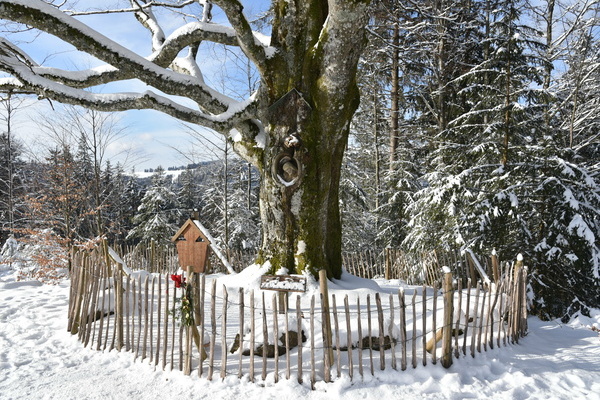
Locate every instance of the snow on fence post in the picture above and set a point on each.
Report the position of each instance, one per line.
(446, 358)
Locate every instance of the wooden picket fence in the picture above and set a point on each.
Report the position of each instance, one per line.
(230, 331)
(414, 269)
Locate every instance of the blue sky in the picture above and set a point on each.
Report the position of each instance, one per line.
(156, 138)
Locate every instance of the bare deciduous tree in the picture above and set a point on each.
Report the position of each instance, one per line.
(294, 128)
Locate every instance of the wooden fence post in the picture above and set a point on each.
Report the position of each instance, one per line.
(495, 267)
(388, 263)
(79, 296)
(326, 318)
(119, 304)
(448, 290)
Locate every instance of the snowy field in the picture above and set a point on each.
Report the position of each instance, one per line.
(39, 359)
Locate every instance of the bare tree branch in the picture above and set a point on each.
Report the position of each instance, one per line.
(248, 41)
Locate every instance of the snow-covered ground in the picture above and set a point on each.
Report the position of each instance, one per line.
(39, 359)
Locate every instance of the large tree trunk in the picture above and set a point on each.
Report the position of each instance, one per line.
(311, 97)
(299, 197)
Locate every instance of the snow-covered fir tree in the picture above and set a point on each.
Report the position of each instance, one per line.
(158, 214)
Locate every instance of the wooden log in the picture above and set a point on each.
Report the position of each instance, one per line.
(523, 297)
(488, 316)
(336, 327)
(471, 266)
(213, 325)
(224, 335)
(74, 273)
(101, 327)
(475, 316)
(128, 346)
(166, 324)
(326, 365)
(186, 287)
(457, 326)
(424, 320)
(467, 316)
(313, 377)
(414, 330)
(391, 332)
(202, 322)
(381, 332)
(151, 332)
(287, 339)
(326, 320)
(388, 264)
(108, 289)
(370, 335)
(434, 324)
(146, 318)
(265, 338)
(495, 267)
(187, 355)
(95, 290)
(84, 311)
(510, 311)
(241, 332)
(181, 346)
(349, 337)
(135, 312)
(158, 322)
(173, 326)
(299, 322)
(114, 320)
(366, 272)
(481, 320)
(500, 290)
(491, 314)
(446, 359)
(275, 337)
(252, 333)
(360, 338)
(119, 305)
(431, 343)
(94, 295)
(403, 341)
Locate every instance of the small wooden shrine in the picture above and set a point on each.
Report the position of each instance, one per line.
(193, 246)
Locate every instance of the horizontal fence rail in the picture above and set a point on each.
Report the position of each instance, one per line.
(206, 328)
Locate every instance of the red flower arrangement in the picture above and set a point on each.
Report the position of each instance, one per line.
(183, 312)
(179, 280)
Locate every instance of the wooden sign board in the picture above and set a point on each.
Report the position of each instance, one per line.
(283, 283)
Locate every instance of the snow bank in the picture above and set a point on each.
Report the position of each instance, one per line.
(40, 359)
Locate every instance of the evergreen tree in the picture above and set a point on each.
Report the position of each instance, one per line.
(12, 188)
(12, 171)
(189, 193)
(158, 213)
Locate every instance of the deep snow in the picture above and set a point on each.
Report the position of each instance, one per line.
(39, 359)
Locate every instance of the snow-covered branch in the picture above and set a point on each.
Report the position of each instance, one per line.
(126, 64)
(248, 40)
(223, 122)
